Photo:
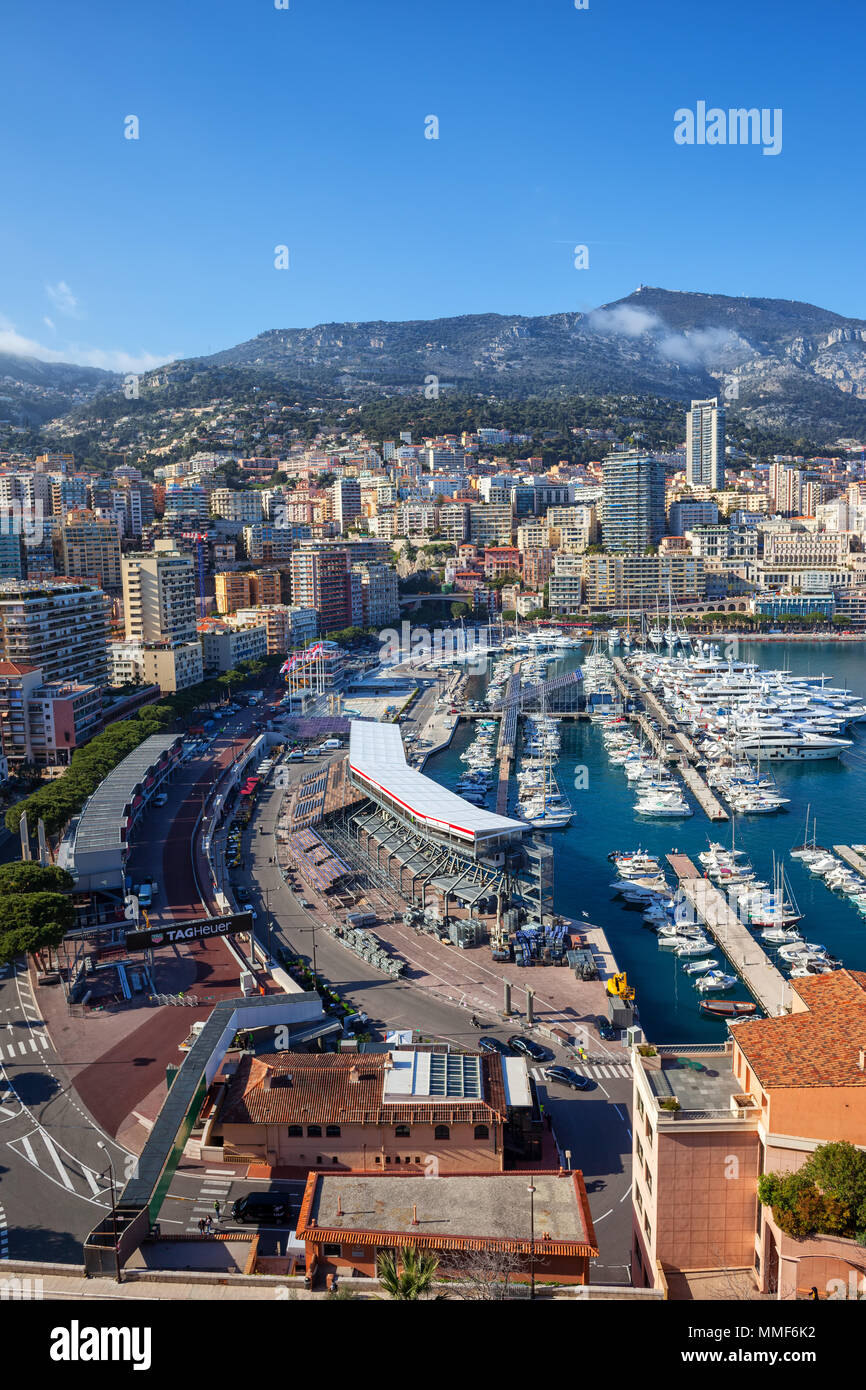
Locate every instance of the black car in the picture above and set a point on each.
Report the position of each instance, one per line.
(262, 1208)
(494, 1045)
(607, 1032)
(567, 1077)
(527, 1047)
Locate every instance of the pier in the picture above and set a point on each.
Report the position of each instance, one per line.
(750, 961)
(709, 804)
(852, 858)
(682, 761)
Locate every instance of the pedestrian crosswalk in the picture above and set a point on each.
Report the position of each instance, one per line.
(14, 1048)
(56, 1163)
(594, 1069)
(215, 1189)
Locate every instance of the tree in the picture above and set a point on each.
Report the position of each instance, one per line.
(839, 1170)
(32, 922)
(487, 1275)
(28, 877)
(460, 610)
(415, 1278)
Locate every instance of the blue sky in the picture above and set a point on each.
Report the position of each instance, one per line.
(305, 127)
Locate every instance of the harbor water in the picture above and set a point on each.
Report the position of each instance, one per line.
(834, 791)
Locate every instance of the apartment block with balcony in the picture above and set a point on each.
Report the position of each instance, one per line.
(225, 645)
(60, 625)
(491, 525)
(709, 1120)
(88, 547)
(159, 601)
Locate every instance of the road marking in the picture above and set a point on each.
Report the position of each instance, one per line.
(619, 1112)
(28, 1149)
(10, 1050)
(64, 1176)
(44, 1041)
(91, 1178)
(625, 1194)
(22, 1049)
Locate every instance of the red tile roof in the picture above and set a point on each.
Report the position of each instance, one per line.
(308, 1088)
(818, 1047)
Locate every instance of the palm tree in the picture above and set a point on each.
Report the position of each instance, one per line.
(415, 1278)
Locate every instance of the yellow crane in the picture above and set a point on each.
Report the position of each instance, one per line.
(619, 986)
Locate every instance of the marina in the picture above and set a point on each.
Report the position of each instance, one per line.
(604, 818)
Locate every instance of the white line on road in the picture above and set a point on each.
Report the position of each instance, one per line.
(596, 1219)
(625, 1194)
(619, 1112)
(91, 1178)
(22, 1049)
(28, 1149)
(64, 1176)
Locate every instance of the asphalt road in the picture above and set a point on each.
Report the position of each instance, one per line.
(51, 1185)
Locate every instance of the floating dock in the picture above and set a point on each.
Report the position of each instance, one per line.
(750, 961)
(852, 858)
(682, 761)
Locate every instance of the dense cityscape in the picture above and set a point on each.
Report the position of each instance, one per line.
(432, 682)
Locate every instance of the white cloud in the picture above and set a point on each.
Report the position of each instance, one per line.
(62, 298)
(625, 320)
(697, 347)
(46, 320)
(111, 359)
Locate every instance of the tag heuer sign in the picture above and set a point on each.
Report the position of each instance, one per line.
(190, 931)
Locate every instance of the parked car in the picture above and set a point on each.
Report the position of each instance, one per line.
(566, 1077)
(495, 1045)
(263, 1209)
(527, 1047)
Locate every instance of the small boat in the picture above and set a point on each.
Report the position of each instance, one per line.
(699, 967)
(715, 979)
(728, 1008)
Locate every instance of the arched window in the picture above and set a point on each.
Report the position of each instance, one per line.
(482, 1132)
(314, 1131)
(442, 1132)
(296, 1132)
(401, 1131)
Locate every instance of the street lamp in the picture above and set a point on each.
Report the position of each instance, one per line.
(100, 1145)
(531, 1190)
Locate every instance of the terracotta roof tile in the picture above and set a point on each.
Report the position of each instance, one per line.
(308, 1088)
(817, 1047)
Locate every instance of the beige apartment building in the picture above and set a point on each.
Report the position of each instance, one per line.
(710, 1119)
(159, 603)
(615, 581)
(87, 546)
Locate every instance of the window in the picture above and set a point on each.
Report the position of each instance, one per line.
(649, 1133)
(332, 1131)
(296, 1132)
(482, 1132)
(401, 1131)
(638, 1149)
(647, 1227)
(314, 1131)
(649, 1180)
(639, 1103)
(397, 1159)
(335, 1159)
(442, 1132)
(387, 1158)
(638, 1199)
(332, 1249)
(378, 1159)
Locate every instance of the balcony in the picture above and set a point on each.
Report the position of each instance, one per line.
(695, 1083)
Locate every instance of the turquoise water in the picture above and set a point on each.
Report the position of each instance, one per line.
(835, 791)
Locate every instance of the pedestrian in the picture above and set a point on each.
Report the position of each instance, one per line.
(201, 1225)
(208, 1225)
(216, 1207)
